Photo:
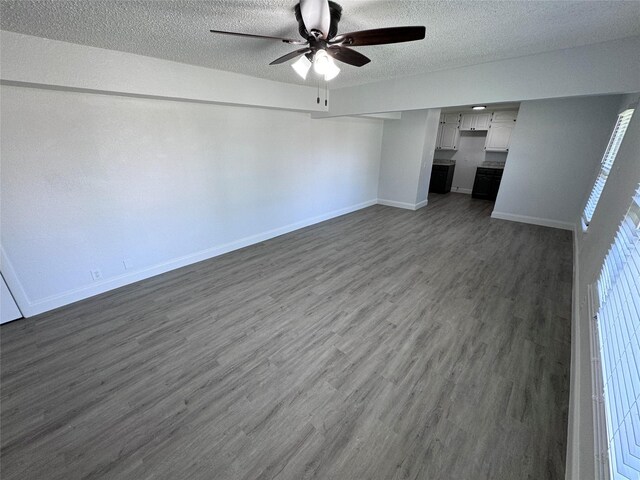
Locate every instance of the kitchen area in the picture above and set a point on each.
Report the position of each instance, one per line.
(472, 147)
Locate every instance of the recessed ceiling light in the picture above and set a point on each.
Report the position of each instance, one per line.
(479, 107)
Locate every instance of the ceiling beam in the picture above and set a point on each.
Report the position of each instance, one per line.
(599, 69)
(39, 62)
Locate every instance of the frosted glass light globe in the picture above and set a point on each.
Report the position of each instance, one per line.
(321, 62)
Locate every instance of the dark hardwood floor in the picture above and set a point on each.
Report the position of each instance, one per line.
(384, 344)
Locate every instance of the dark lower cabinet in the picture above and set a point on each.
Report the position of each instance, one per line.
(441, 178)
(487, 183)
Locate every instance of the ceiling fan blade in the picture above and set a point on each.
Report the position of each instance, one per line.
(265, 37)
(316, 16)
(290, 56)
(347, 55)
(379, 36)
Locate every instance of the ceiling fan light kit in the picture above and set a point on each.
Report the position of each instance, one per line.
(324, 65)
(321, 62)
(318, 26)
(331, 71)
(302, 66)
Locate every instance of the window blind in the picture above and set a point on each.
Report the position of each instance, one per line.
(607, 163)
(618, 327)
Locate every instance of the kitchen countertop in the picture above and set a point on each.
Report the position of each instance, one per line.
(443, 162)
(497, 165)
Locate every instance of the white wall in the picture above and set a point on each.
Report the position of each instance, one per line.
(554, 149)
(428, 147)
(407, 146)
(591, 248)
(8, 308)
(89, 181)
(604, 68)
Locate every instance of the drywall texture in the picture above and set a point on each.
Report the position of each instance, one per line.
(407, 147)
(179, 30)
(563, 73)
(125, 184)
(592, 247)
(554, 149)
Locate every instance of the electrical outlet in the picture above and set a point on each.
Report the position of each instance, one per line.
(127, 263)
(96, 274)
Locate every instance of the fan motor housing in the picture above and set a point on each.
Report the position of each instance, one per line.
(336, 13)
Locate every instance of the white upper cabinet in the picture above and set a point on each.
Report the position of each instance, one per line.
(467, 122)
(449, 136)
(475, 121)
(499, 126)
(508, 116)
(499, 137)
(450, 118)
(483, 120)
(439, 136)
(448, 131)
(500, 131)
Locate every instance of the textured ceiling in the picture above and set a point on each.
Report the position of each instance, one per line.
(458, 32)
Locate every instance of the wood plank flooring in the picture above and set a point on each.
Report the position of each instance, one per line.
(384, 344)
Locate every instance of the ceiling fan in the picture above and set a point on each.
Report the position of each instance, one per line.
(321, 44)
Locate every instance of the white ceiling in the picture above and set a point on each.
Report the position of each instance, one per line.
(458, 32)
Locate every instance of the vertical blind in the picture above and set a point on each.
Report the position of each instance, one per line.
(607, 162)
(618, 326)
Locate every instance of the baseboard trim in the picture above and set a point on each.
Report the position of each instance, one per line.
(405, 205)
(30, 308)
(466, 191)
(544, 222)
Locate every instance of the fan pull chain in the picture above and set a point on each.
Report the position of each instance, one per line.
(326, 93)
(318, 99)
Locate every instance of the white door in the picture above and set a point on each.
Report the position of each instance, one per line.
(449, 136)
(499, 137)
(482, 121)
